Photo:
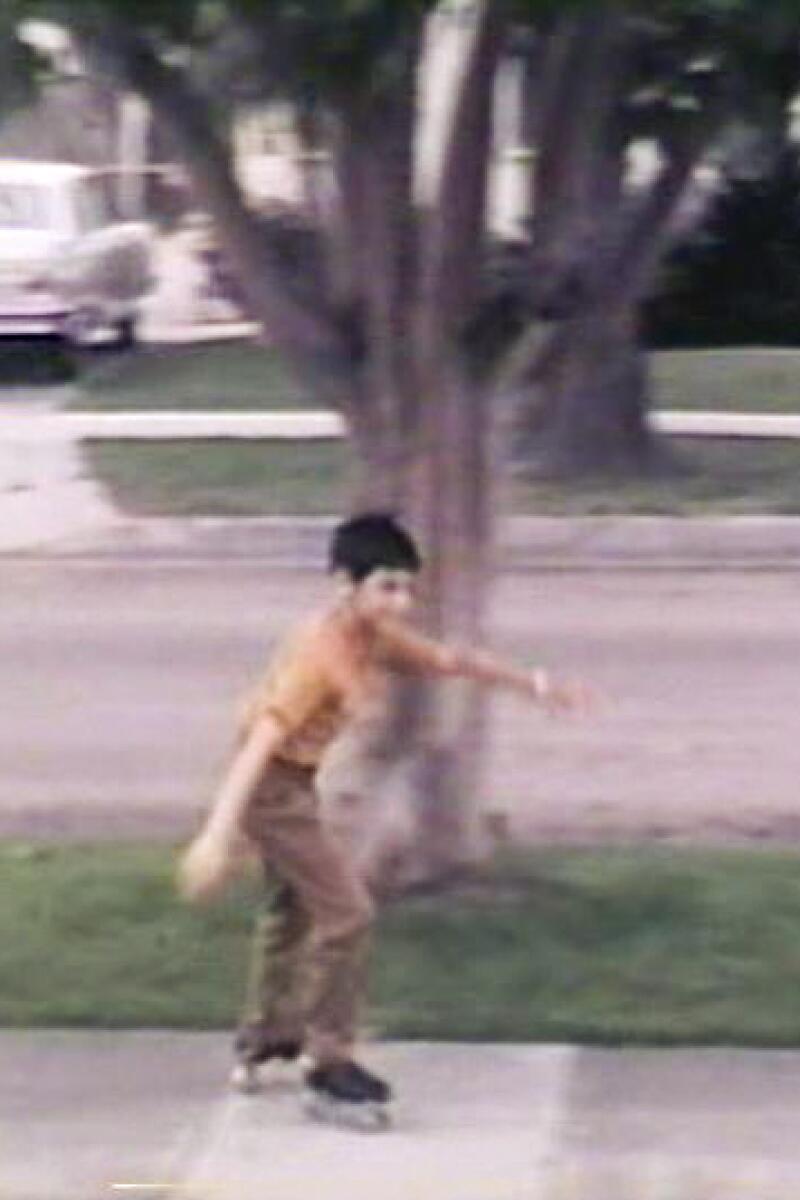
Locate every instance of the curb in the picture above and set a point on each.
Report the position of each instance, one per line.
(525, 543)
(323, 424)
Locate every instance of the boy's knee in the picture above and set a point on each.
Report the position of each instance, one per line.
(362, 915)
(352, 923)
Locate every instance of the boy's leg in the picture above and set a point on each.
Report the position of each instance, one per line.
(341, 915)
(286, 824)
(274, 1003)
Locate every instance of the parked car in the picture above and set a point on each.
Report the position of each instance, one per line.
(68, 266)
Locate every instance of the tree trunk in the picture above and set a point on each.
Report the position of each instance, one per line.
(416, 777)
(448, 502)
(573, 116)
(587, 409)
(589, 406)
(454, 517)
(419, 286)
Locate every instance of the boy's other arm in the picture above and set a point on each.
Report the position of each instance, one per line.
(293, 697)
(209, 859)
(243, 774)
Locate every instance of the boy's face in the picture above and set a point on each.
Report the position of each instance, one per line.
(386, 592)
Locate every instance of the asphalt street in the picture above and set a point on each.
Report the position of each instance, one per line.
(122, 679)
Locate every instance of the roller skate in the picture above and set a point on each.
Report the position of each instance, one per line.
(254, 1049)
(343, 1093)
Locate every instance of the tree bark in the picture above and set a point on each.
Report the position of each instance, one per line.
(589, 401)
(578, 157)
(435, 738)
(389, 287)
(460, 536)
(424, 762)
(452, 501)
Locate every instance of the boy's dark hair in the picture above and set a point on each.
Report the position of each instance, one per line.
(370, 541)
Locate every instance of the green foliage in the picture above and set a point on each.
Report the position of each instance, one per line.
(33, 361)
(341, 50)
(336, 49)
(685, 54)
(295, 47)
(738, 282)
(20, 68)
(177, 20)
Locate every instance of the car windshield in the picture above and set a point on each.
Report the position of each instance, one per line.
(23, 206)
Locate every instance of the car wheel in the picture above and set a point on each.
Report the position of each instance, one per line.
(125, 333)
(84, 328)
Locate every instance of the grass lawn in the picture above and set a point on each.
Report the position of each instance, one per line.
(733, 380)
(247, 376)
(609, 946)
(230, 478)
(209, 375)
(223, 478)
(719, 476)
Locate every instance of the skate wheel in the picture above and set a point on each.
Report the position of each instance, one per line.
(382, 1118)
(245, 1079)
(360, 1116)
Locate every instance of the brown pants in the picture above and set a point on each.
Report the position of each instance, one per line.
(307, 977)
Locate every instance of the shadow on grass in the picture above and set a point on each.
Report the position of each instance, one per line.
(26, 362)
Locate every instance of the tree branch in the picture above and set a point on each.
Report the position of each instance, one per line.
(390, 259)
(304, 333)
(346, 251)
(622, 274)
(583, 81)
(453, 243)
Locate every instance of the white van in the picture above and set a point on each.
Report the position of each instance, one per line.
(67, 266)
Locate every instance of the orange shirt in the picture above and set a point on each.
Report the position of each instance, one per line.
(331, 671)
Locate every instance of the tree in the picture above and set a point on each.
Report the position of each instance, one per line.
(385, 305)
(380, 308)
(704, 85)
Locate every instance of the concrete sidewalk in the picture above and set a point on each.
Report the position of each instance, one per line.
(46, 495)
(92, 1116)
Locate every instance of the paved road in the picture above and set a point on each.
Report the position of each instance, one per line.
(103, 1116)
(121, 678)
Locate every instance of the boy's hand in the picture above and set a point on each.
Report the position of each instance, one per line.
(207, 865)
(561, 697)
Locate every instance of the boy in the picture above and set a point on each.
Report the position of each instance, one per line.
(309, 977)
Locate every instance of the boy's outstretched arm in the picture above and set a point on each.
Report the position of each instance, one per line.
(536, 684)
(212, 855)
(415, 652)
